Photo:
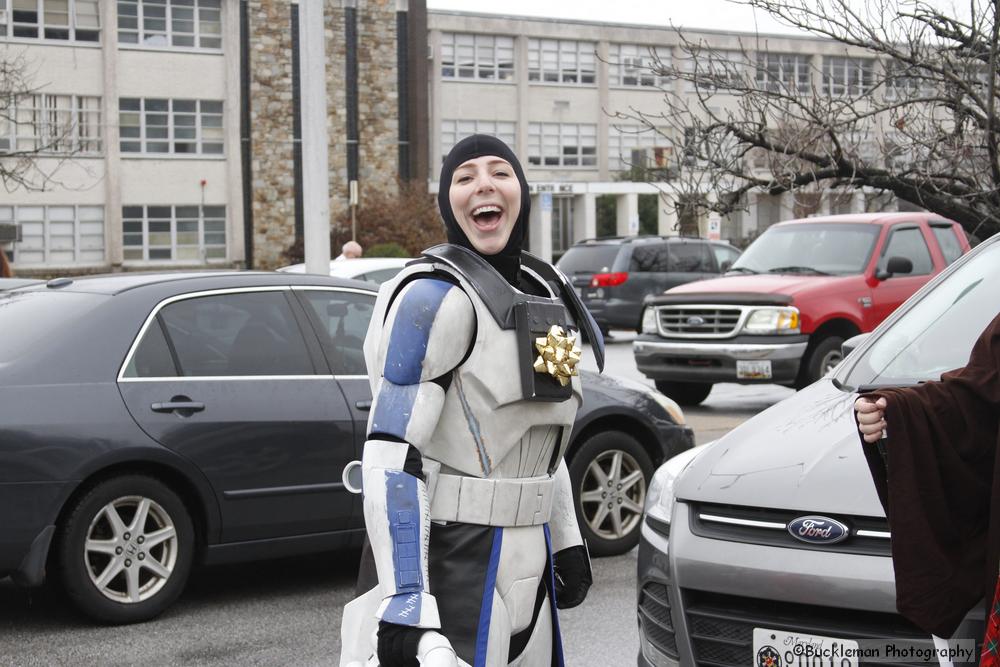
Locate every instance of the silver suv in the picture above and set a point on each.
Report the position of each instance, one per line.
(775, 530)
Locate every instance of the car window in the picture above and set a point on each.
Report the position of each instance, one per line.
(649, 257)
(948, 241)
(724, 254)
(909, 243)
(28, 318)
(937, 333)
(690, 258)
(341, 320)
(381, 275)
(152, 356)
(840, 249)
(588, 259)
(248, 333)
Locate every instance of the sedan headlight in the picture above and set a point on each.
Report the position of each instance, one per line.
(783, 320)
(669, 405)
(649, 321)
(660, 497)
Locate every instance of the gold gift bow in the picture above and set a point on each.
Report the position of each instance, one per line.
(558, 355)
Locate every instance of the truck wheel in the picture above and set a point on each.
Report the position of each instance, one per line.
(820, 360)
(685, 393)
(610, 473)
(125, 549)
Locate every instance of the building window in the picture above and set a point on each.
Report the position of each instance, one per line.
(562, 61)
(53, 124)
(170, 126)
(76, 20)
(639, 146)
(466, 56)
(847, 76)
(714, 69)
(57, 235)
(785, 72)
(562, 225)
(174, 233)
(176, 23)
(632, 65)
(452, 131)
(562, 145)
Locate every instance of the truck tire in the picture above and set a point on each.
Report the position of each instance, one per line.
(820, 358)
(685, 393)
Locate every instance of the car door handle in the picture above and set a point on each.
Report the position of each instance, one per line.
(171, 406)
(363, 405)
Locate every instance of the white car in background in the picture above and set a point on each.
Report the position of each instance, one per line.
(373, 269)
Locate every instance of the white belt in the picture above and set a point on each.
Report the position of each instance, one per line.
(493, 502)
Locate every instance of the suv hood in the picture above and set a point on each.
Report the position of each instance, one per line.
(803, 454)
(787, 284)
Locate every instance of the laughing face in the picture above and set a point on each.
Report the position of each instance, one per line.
(485, 197)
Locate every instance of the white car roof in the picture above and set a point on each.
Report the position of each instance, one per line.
(352, 268)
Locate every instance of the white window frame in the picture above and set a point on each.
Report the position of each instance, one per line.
(473, 57)
(172, 140)
(625, 139)
(547, 144)
(54, 124)
(75, 14)
(452, 131)
(562, 61)
(204, 248)
(628, 65)
(88, 234)
(847, 76)
(206, 25)
(784, 72)
(711, 61)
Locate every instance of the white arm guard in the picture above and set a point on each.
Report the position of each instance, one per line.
(429, 328)
(563, 527)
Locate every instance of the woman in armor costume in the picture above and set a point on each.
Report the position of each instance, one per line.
(467, 500)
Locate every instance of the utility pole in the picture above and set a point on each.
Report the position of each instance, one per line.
(315, 141)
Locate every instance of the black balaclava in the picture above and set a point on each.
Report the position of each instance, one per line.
(508, 261)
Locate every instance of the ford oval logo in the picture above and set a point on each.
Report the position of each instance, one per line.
(818, 530)
(695, 321)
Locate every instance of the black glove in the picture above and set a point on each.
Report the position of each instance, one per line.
(397, 645)
(573, 576)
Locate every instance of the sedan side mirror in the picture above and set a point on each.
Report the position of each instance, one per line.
(726, 265)
(853, 343)
(893, 266)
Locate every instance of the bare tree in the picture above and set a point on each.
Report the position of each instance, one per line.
(907, 105)
(30, 131)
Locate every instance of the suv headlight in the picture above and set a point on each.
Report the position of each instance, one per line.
(777, 320)
(660, 497)
(649, 321)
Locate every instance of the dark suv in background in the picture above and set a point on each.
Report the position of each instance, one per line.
(614, 274)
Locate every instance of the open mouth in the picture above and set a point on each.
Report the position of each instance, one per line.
(487, 217)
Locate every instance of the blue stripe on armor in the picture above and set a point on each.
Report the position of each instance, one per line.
(557, 649)
(408, 340)
(486, 611)
(403, 514)
(394, 408)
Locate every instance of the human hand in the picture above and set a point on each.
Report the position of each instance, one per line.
(397, 645)
(573, 577)
(871, 418)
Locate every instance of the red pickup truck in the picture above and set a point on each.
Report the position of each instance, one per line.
(783, 311)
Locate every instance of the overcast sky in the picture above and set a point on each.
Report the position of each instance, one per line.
(710, 14)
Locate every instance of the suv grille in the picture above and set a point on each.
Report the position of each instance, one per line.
(654, 617)
(699, 320)
(721, 626)
(868, 536)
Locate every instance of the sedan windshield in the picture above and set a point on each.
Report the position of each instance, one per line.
(810, 248)
(28, 317)
(937, 333)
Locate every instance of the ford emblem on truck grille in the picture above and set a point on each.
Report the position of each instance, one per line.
(695, 321)
(818, 530)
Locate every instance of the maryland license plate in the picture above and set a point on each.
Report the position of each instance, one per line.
(777, 648)
(758, 369)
